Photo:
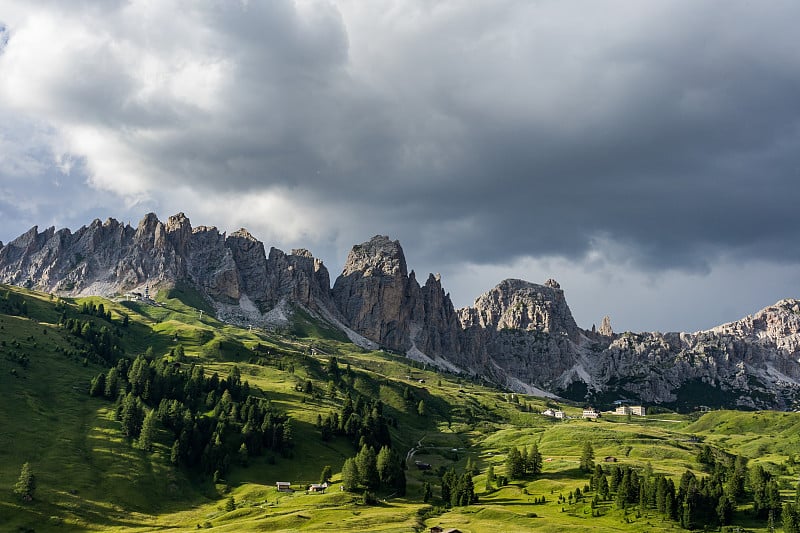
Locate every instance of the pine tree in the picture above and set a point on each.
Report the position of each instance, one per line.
(661, 494)
(421, 410)
(791, 520)
(390, 470)
(515, 468)
(131, 416)
(350, 474)
(243, 455)
(464, 492)
(427, 492)
(602, 487)
(326, 475)
(535, 461)
(587, 458)
(98, 385)
(384, 463)
(175, 452)
(26, 484)
(333, 368)
(148, 431)
(112, 384)
(725, 510)
(449, 480)
(368, 467)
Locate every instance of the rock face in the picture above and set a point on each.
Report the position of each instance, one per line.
(110, 259)
(375, 293)
(520, 335)
(514, 320)
(379, 299)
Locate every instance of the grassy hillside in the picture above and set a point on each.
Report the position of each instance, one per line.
(90, 477)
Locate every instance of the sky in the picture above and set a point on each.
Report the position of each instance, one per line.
(646, 155)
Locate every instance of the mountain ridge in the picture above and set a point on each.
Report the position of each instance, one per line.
(519, 334)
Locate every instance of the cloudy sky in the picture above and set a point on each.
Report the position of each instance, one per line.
(644, 154)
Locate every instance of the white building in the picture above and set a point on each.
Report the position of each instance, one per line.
(591, 412)
(637, 410)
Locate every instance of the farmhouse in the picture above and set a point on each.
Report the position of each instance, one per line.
(284, 486)
(317, 487)
(591, 413)
(637, 410)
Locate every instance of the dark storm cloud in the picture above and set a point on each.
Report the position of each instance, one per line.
(477, 132)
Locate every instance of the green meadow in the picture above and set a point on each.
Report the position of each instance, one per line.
(90, 477)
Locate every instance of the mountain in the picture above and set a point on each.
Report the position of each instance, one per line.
(520, 335)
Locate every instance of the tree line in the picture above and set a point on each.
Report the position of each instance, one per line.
(696, 501)
(13, 304)
(213, 421)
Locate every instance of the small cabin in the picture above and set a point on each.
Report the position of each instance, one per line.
(283, 486)
(610, 459)
(422, 466)
(318, 487)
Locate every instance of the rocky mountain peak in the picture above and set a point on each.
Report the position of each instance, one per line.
(179, 229)
(380, 256)
(150, 233)
(519, 334)
(375, 294)
(242, 233)
(605, 327)
(522, 305)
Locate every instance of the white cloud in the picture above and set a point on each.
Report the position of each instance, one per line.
(623, 140)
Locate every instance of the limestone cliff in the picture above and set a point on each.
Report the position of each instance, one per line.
(519, 335)
(382, 301)
(110, 259)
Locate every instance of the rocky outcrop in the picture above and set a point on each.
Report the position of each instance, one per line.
(752, 362)
(299, 277)
(375, 293)
(513, 321)
(528, 339)
(110, 259)
(381, 300)
(519, 334)
(605, 327)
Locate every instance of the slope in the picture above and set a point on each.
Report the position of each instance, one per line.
(92, 478)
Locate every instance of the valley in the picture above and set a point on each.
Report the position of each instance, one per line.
(91, 477)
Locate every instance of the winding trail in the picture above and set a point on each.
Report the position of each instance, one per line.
(413, 450)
